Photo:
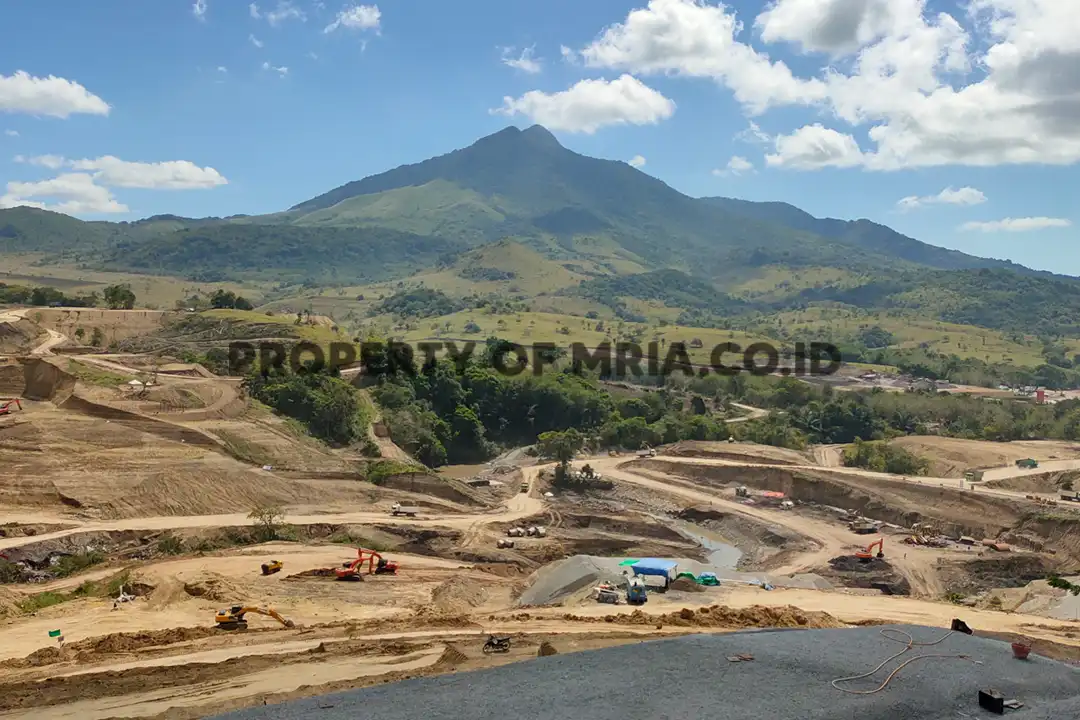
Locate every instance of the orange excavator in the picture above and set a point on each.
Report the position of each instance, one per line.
(5, 406)
(868, 554)
(377, 565)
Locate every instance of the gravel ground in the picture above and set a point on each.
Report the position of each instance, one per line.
(690, 677)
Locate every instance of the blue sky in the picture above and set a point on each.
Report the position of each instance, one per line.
(214, 108)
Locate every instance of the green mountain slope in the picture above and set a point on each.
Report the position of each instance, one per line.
(525, 184)
(281, 252)
(864, 234)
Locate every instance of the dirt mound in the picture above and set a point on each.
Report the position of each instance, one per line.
(720, 616)
(35, 380)
(133, 641)
(211, 586)
(19, 336)
(427, 616)
(9, 602)
(546, 649)
(317, 573)
(1005, 571)
(451, 657)
(873, 574)
(737, 452)
(458, 594)
(687, 585)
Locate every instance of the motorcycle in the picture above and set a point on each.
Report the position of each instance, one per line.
(496, 645)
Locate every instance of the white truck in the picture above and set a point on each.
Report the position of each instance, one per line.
(646, 453)
(407, 510)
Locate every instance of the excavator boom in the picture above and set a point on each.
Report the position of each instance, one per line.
(233, 618)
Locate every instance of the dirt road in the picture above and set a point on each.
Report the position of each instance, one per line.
(518, 506)
(832, 540)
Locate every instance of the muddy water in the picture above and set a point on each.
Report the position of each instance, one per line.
(719, 553)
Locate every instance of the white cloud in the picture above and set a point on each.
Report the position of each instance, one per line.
(285, 10)
(255, 41)
(11, 133)
(253, 10)
(948, 196)
(53, 162)
(169, 175)
(357, 17)
(282, 71)
(637, 161)
(568, 55)
(77, 192)
(1017, 224)
(998, 84)
(199, 9)
(524, 62)
(737, 165)
(50, 95)
(812, 147)
(592, 104)
(754, 135)
(222, 69)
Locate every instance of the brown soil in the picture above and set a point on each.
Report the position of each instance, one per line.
(737, 452)
(950, 457)
(764, 545)
(1012, 570)
(955, 512)
(546, 649)
(459, 595)
(719, 616)
(874, 574)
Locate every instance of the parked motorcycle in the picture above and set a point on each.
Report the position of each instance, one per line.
(496, 645)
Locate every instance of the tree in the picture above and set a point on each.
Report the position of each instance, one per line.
(561, 446)
(119, 297)
(268, 519)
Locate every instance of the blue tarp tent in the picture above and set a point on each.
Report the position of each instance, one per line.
(654, 566)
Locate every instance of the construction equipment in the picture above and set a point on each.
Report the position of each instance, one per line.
(1027, 463)
(708, 579)
(742, 491)
(504, 544)
(496, 645)
(407, 510)
(377, 565)
(232, 618)
(272, 567)
(863, 527)
(5, 407)
(515, 532)
(1071, 497)
(868, 554)
(635, 591)
(524, 487)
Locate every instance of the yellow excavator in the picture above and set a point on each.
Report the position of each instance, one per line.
(232, 618)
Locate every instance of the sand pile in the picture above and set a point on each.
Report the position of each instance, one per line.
(720, 616)
(559, 581)
(9, 602)
(546, 649)
(451, 657)
(458, 594)
(687, 585)
(133, 641)
(211, 586)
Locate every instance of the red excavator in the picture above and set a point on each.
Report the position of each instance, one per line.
(5, 406)
(377, 565)
(868, 554)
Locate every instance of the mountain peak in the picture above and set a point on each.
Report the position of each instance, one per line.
(540, 134)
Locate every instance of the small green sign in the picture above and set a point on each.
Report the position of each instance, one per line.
(55, 633)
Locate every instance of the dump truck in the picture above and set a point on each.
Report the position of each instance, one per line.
(1027, 463)
(646, 453)
(269, 568)
(1071, 497)
(408, 510)
(742, 491)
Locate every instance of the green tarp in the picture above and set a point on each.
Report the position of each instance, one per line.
(625, 563)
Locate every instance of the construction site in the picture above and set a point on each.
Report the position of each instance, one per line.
(170, 548)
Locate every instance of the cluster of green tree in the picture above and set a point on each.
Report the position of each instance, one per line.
(486, 273)
(119, 297)
(228, 299)
(673, 288)
(43, 296)
(419, 302)
(818, 414)
(880, 456)
(328, 406)
(447, 413)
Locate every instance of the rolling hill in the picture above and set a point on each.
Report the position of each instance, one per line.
(519, 215)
